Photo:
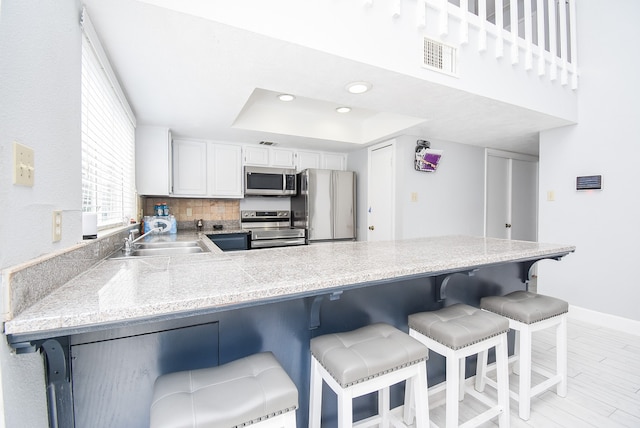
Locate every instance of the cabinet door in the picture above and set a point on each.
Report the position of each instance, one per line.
(334, 161)
(224, 170)
(189, 168)
(254, 155)
(306, 160)
(153, 160)
(283, 158)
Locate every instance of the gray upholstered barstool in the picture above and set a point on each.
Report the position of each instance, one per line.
(252, 391)
(366, 360)
(457, 332)
(528, 312)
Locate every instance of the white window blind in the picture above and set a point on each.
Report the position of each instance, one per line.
(108, 138)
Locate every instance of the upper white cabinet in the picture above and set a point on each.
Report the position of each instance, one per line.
(153, 160)
(284, 158)
(256, 155)
(306, 159)
(334, 161)
(189, 168)
(291, 158)
(206, 169)
(269, 156)
(224, 170)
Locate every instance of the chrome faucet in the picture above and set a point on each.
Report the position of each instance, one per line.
(128, 242)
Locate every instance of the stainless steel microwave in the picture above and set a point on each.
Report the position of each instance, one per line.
(263, 181)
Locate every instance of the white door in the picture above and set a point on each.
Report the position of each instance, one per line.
(511, 196)
(381, 195)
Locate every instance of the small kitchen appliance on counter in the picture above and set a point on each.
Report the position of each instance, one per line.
(271, 229)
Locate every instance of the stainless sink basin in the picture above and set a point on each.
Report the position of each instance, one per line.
(168, 244)
(160, 248)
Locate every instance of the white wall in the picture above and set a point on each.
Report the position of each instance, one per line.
(604, 224)
(40, 48)
(450, 201)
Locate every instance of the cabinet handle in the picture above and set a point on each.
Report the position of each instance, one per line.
(508, 225)
(371, 227)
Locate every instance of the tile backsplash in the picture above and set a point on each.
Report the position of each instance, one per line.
(187, 211)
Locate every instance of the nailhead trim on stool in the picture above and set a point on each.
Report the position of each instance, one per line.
(528, 312)
(456, 332)
(252, 391)
(366, 360)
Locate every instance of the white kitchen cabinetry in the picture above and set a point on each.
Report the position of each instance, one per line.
(334, 161)
(283, 158)
(224, 170)
(153, 160)
(256, 155)
(305, 159)
(269, 156)
(189, 168)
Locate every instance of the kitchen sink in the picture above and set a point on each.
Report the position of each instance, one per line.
(167, 248)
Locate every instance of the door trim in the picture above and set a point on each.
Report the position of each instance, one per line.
(392, 144)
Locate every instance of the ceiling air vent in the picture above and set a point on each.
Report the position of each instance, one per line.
(267, 143)
(440, 57)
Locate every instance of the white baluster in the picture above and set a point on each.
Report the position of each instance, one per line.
(500, 26)
(513, 9)
(464, 22)
(528, 35)
(541, 37)
(553, 42)
(563, 41)
(444, 17)
(574, 44)
(482, 35)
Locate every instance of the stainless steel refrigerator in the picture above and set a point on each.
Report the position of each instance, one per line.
(325, 204)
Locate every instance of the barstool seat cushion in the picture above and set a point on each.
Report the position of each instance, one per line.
(525, 306)
(238, 393)
(459, 325)
(358, 355)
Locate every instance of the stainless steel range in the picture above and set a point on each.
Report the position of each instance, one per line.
(271, 229)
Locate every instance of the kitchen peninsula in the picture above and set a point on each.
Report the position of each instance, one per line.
(112, 330)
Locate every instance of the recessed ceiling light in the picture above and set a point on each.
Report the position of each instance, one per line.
(358, 87)
(286, 97)
(343, 109)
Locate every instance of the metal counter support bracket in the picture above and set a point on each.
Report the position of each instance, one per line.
(59, 394)
(525, 268)
(440, 290)
(314, 315)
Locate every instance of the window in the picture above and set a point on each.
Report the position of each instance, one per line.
(108, 138)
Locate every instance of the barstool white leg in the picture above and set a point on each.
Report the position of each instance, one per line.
(481, 370)
(516, 352)
(502, 366)
(345, 409)
(561, 356)
(383, 406)
(453, 389)
(524, 360)
(420, 398)
(315, 395)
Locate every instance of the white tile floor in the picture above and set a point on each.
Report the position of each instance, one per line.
(604, 382)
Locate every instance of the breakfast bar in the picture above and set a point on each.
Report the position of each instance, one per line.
(108, 333)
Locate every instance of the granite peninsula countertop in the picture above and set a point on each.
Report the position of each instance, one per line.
(120, 290)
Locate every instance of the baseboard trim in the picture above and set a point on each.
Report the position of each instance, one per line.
(601, 319)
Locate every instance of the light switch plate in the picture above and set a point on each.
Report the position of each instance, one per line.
(57, 226)
(23, 165)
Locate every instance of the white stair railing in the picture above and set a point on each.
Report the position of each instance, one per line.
(552, 48)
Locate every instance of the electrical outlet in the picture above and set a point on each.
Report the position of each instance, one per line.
(414, 196)
(551, 195)
(23, 165)
(57, 226)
